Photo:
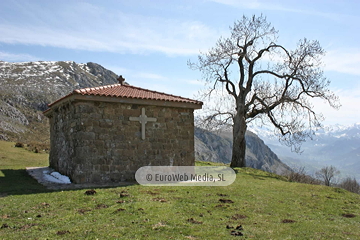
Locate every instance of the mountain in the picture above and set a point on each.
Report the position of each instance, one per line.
(217, 147)
(335, 145)
(27, 87)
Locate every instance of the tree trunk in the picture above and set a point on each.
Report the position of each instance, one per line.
(239, 143)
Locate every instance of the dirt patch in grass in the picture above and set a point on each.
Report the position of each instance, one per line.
(27, 226)
(83, 211)
(236, 233)
(288, 221)
(120, 210)
(222, 195)
(100, 206)
(62, 232)
(192, 220)
(90, 192)
(238, 216)
(152, 193)
(159, 225)
(159, 200)
(5, 225)
(124, 194)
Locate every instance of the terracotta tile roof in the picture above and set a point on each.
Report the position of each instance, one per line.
(128, 91)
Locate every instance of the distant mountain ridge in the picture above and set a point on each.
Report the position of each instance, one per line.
(335, 145)
(26, 88)
(217, 147)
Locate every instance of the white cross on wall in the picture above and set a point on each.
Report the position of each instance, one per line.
(143, 119)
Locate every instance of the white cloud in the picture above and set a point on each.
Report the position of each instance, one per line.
(87, 27)
(343, 60)
(10, 57)
(348, 112)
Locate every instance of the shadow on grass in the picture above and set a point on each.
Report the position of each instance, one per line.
(19, 182)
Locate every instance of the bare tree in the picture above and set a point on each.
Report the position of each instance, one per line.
(327, 174)
(253, 78)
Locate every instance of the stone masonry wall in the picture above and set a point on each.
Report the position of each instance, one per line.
(95, 142)
(61, 144)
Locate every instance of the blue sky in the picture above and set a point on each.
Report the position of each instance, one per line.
(150, 42)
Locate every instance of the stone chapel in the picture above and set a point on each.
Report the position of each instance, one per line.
(105, 134)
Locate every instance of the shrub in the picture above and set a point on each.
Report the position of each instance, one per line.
(351, 185)
(37, 147)
(19, 145)
(299, 175)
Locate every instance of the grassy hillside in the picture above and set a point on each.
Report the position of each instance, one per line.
(266, 205)
(13, 177)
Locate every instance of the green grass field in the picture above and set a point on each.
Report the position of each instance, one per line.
(266, 205)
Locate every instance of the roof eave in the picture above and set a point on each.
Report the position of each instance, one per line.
(138, 101)
(68, 98)
(79, 97)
